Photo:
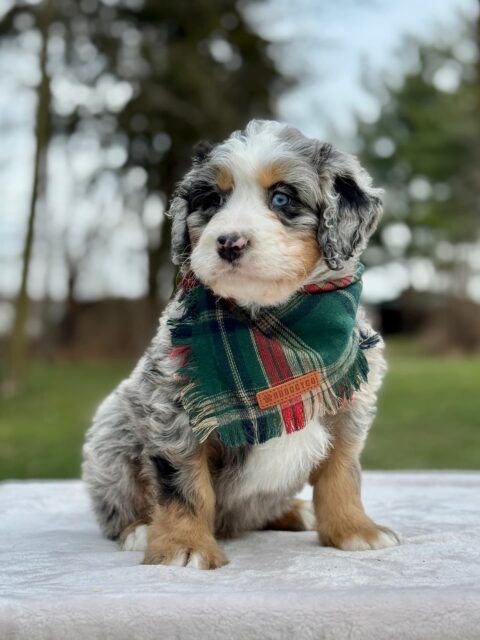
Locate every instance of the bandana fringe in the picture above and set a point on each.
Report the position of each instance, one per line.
(204, 419)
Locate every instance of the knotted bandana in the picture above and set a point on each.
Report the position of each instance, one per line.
(250, 379)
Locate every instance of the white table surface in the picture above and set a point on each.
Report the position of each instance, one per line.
(59, 579)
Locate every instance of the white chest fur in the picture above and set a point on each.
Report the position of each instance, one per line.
(284, 463)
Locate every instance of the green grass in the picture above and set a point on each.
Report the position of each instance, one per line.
(428, 414)
(42, 429)
(428, 417)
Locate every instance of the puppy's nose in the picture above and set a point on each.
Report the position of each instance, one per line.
(231, 246)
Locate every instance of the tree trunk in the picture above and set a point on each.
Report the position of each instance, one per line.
(159, 256)
(478, 62)
(18, 339)
(476, 158)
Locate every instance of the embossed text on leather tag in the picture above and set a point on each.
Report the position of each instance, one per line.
(286, 391)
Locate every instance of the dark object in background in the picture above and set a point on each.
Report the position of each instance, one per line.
(443, 323)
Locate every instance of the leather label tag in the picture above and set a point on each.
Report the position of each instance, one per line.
(286, 391)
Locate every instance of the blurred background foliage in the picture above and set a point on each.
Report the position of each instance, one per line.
(101, 102)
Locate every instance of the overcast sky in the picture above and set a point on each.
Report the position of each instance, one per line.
(328, 47)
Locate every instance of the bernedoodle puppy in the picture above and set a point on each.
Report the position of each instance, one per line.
(263, 373)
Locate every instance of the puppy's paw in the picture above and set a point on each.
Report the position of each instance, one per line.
(361, 538)
(299, 517)
(178, 555)
(136, 540)
(376, 538)
(307, 515)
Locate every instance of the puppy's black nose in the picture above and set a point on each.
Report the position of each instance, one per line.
(231, 246)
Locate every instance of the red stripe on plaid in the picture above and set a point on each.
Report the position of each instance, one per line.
(180, 352)
(280, 359)
(273, 375)
(278, 371)
(189, 281)
(299, 415)
(331, 285)
(267, 360)
(296, 417)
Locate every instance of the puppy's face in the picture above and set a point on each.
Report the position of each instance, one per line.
(262, 212)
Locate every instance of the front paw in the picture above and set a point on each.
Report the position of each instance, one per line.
(176, 554)
(361, 537)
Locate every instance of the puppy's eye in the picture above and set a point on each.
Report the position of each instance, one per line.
(201, 199)
(212, 201)
(280, 199)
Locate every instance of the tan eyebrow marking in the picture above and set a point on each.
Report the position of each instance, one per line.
(271, 174)
(224, 179)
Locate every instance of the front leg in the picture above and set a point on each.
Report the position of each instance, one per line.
(181, 531)
(341, 519)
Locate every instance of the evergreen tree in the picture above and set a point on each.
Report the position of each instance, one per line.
(424, 150)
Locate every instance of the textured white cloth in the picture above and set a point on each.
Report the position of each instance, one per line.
(59, 579)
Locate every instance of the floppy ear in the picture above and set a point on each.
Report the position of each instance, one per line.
(351, 210)
(202, 150)
(179, 206)
(178, 211)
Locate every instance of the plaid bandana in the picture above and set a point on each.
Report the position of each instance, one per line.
(250, 379)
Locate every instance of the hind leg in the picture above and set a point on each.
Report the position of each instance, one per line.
(299, 517)
(135, 536)
(114, 473)
(119, 496)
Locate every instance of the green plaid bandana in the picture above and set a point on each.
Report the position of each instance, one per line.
(251, 379)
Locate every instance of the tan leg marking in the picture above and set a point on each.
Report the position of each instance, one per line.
(181, 534)
(300, 517)
(341, 519)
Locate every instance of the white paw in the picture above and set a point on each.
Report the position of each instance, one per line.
(208, 558)
(193, 559)
(136, 539)
(308, 516)
(196, 561)
(383, 539)
(179, 560)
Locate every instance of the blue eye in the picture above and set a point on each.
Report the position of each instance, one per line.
(280, 199)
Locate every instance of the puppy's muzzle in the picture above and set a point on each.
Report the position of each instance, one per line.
(231, 246)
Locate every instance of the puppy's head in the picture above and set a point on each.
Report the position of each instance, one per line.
(260, 214)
